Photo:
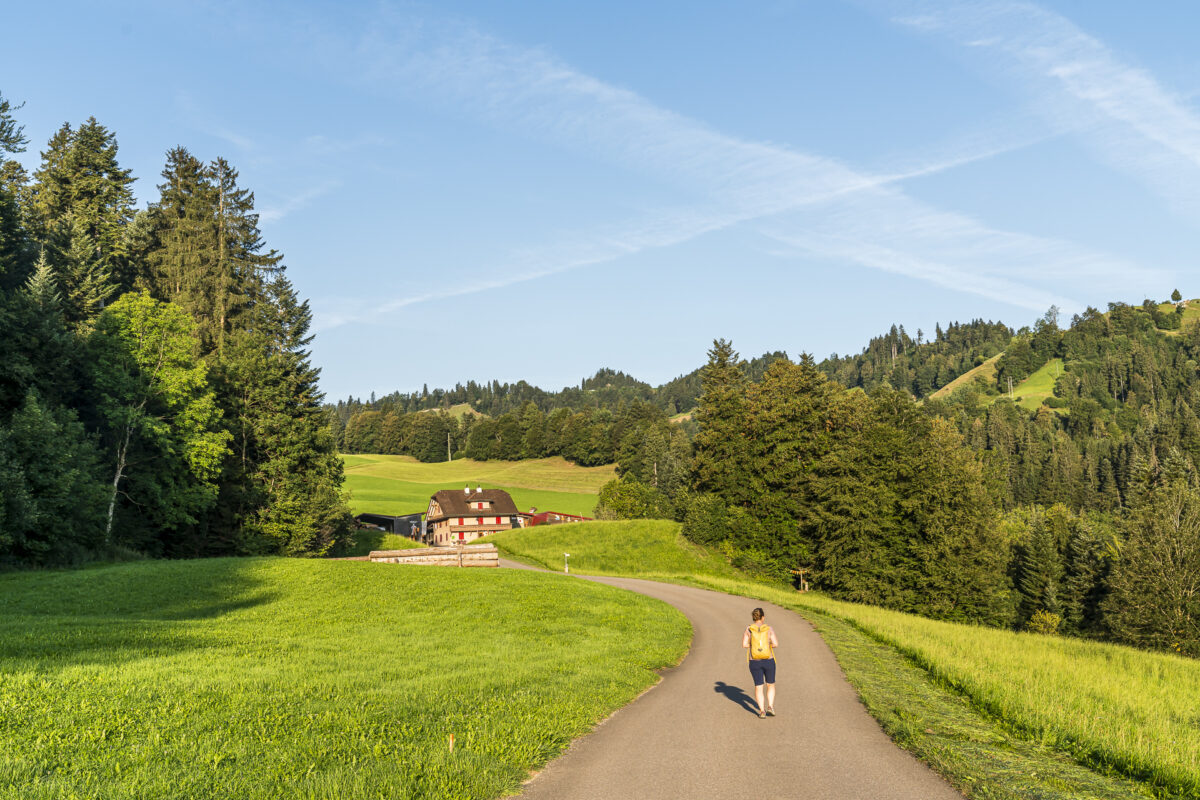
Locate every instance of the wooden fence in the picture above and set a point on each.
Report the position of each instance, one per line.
(469, 555)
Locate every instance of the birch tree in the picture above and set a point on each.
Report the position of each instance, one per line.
(160, 418)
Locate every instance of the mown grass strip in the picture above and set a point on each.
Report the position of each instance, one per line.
(278, 678)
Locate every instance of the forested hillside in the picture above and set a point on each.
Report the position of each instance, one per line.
(1080, 516)
(585, 424)
(156, 395)
(920, 366)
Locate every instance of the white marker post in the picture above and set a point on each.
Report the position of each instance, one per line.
(566, 563)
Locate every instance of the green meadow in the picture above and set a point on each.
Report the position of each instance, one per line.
(1037, 387)
(641, 547)
(986, 370)
(291, 678)
(1191, 313)
(402, 485)
(1036, 707)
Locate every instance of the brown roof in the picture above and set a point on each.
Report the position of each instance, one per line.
(455, 503)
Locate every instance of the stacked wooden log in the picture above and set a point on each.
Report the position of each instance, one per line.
(469, 555)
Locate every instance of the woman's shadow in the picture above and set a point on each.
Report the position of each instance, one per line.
(738, 696)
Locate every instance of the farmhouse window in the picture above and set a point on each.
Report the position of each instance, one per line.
(460, 520)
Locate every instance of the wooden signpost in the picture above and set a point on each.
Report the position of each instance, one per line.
(800, 573)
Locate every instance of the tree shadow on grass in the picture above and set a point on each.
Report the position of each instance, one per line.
(737, 695)
(53, 620)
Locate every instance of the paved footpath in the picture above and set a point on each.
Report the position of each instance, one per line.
(696, 735)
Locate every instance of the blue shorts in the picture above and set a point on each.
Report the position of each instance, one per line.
(762, 669)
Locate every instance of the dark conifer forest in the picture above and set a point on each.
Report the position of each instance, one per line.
(156, 394)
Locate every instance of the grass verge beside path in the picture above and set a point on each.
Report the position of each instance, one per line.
(637, 547)
(1002, 714)
(291, 678)
(402, 485)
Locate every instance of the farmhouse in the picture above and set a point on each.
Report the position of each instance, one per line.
(459, 517)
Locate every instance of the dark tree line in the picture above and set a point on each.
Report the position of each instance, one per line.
(156, 394)
(607, 389)
(588, 437)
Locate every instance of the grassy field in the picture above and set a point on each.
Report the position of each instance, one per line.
(291, 678)
(1037, 387)
(366, 540)
(1191, 313)
(986, 370)
(627, 547)
(997, 711)
(457, 411)
(403, 485)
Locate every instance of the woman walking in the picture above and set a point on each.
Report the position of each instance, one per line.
(760, 643)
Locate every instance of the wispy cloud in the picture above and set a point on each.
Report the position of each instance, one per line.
(295, 202)
(1136, 123)
(866, 218)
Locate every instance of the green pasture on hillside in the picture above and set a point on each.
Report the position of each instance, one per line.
(1191, 313)
(986, 370)
(458, 411)
(291, 678)
(1037, 387)
(1113, 708)
(402, 485)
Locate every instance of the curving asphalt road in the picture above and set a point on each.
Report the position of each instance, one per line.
(696, 735)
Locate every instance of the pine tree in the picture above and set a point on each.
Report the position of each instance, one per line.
(185, 248)
(1154, 598)
(284, 483)
(81, 203)
(1039, 571)
(722, 450)
(49, 466)
(12, 182)
(241, 263)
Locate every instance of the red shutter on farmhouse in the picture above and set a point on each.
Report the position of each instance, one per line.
(497, 520)
(460, 520)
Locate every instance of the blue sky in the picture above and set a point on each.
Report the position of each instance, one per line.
(536, 190)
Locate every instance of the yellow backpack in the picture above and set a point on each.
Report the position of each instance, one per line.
(760, 642)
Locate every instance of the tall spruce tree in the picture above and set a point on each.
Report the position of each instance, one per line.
(180, 261)
(283, 484)
(80, 203)
(12, 181)
(722, 461)
(1154, 598)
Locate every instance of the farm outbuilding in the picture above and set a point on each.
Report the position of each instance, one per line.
(554, 518)
(411, 526)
